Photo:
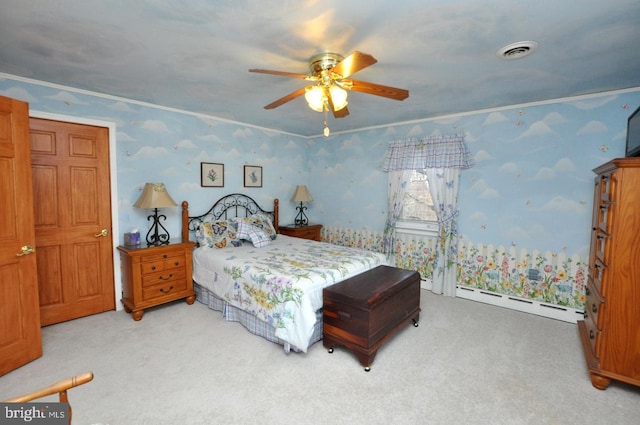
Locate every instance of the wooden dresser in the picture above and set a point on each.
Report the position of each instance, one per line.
(311, 231)
(610, 331)
(156, 275)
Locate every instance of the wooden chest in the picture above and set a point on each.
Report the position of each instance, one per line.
(362, 312)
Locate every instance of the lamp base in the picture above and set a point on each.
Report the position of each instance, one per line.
(301, 218)
(157, 234)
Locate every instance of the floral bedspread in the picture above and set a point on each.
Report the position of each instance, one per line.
(281, 284)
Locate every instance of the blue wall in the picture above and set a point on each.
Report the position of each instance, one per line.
(531, 186)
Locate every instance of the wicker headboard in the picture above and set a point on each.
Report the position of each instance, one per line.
(229, 206)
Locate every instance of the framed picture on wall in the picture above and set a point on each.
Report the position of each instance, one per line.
(252, 176)
(211, 174)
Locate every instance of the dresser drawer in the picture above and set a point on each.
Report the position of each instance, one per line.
(164, 289)
(161, 262)
(595, 335)
(602, 244)
(594, 305)
(163, 277)
(596, 274)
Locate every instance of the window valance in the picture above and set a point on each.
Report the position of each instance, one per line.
(429, 152)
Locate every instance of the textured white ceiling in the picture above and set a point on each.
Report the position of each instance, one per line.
(194, 54)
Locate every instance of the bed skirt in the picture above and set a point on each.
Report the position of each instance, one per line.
(251, 323)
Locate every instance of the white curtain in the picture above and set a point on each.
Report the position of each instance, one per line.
(442, 158)
(443, 184)
(398, 180)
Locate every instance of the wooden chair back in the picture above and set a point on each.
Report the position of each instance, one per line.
(60, 387)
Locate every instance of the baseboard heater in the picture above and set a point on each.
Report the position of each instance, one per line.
(539, 308)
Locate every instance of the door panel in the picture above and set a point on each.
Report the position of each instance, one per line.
(72, 206)
(20, 335)
(49, 259)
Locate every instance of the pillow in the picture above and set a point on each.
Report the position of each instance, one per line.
(252, 233)
(261, 221)
(218, 234)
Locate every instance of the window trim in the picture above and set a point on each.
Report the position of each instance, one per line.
(420, 228)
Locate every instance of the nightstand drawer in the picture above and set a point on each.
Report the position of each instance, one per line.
(163, 277)
(312, 231)
(164, 289)
(307, 233)
(594, 305)
(161, 262)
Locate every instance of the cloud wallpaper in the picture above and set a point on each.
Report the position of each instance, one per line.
(531, 187)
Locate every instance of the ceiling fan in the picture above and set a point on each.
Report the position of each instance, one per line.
(330, 74)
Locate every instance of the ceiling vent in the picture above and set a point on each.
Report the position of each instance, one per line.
(517, 50)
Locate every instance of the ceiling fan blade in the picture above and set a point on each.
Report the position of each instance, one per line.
(377, 89)
(286, 98)
(280, 73)
(353, 63)
(341, 113)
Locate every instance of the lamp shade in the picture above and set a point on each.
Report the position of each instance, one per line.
(301, 194)
(154, 195)
(338, 97)
(315, 98)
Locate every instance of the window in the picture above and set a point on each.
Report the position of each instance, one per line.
(418, 215)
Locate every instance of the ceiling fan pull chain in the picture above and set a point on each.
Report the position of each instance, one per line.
(326, 127)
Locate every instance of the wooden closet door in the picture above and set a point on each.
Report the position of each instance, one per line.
(20, 335)
(72, 198)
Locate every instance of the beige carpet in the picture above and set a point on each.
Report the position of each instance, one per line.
(467, 363)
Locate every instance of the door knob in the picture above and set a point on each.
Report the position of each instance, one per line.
(103, 232)
(27, 249)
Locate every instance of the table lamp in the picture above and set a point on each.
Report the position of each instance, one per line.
(155, 195)
(301, 195)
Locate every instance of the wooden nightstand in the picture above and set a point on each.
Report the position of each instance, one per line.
(311, 231)
(156, 275)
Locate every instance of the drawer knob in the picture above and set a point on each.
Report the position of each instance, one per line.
(591, 334)
(165, 278)
(167, 291)
(585, 314)
(177, 263)
(164, 256)
(153, 267)
(594, 309)
(587, 291)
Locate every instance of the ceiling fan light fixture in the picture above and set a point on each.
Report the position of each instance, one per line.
(330, 77)
(315, 98)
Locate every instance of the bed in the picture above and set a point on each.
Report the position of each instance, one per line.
(272, 287)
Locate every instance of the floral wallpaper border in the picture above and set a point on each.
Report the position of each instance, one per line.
(553, 278)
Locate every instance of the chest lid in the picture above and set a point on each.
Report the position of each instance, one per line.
(372, 287)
